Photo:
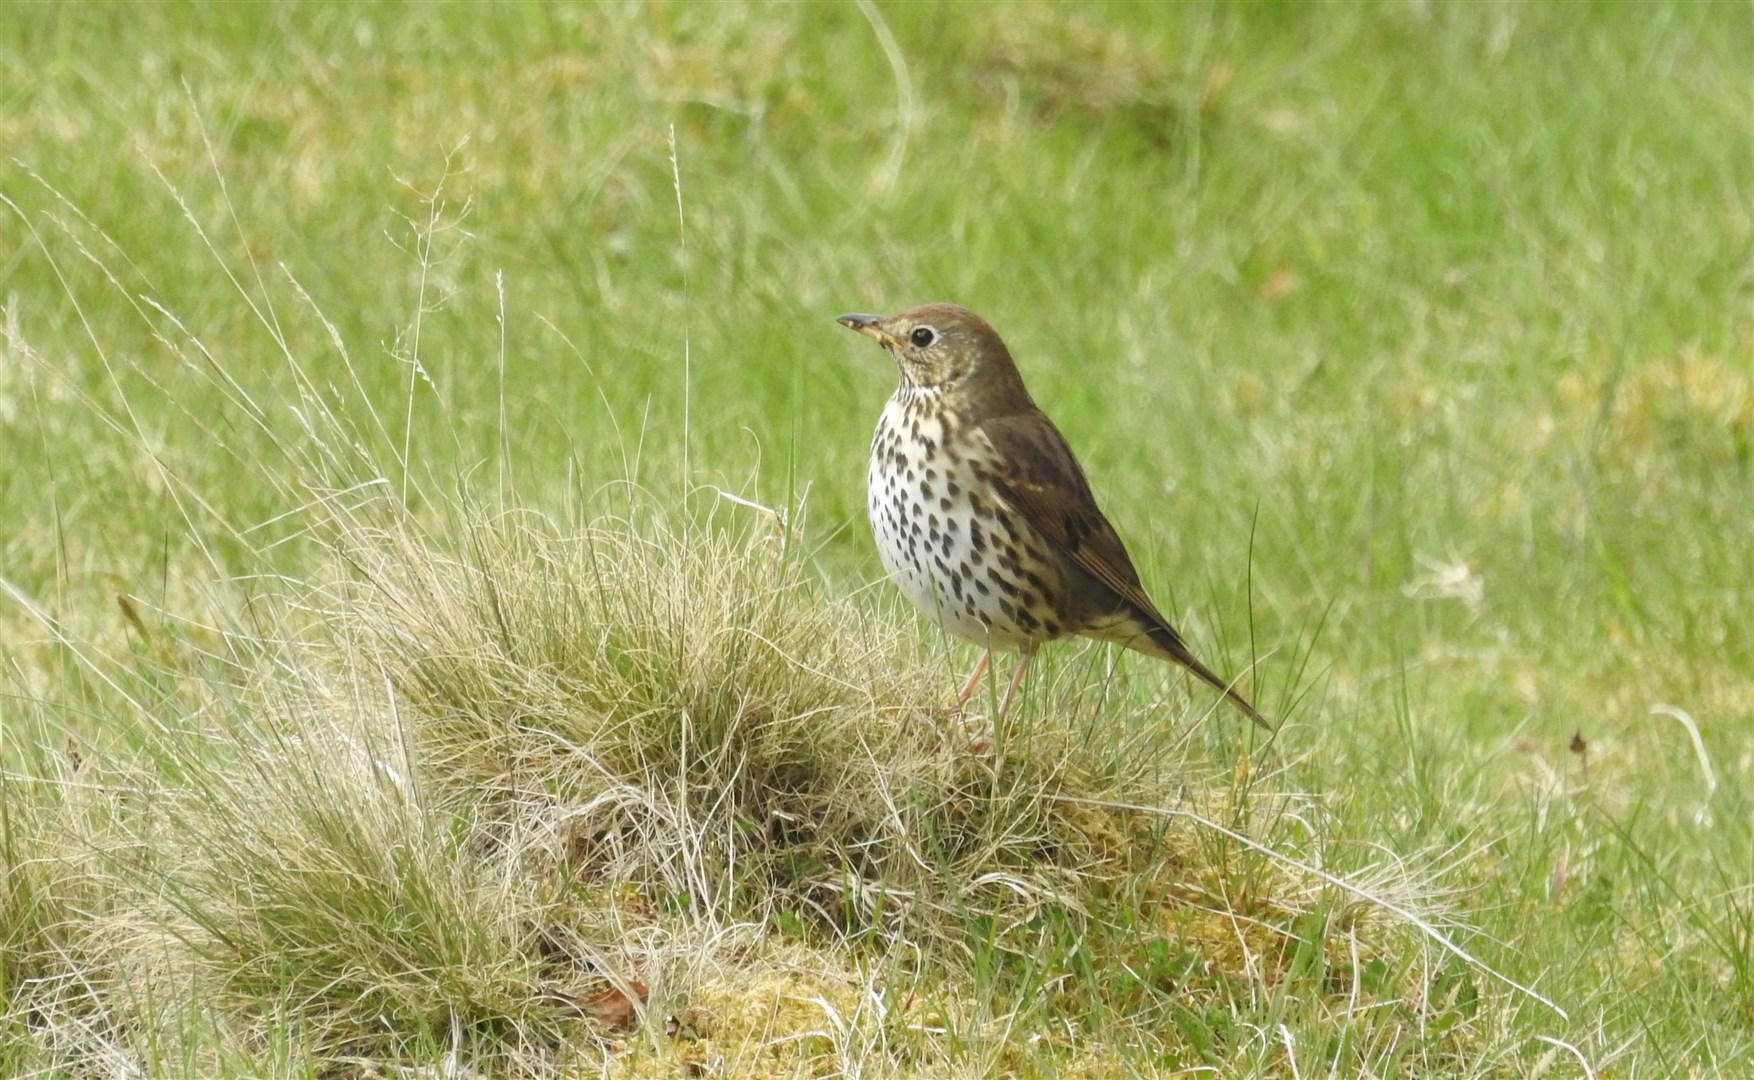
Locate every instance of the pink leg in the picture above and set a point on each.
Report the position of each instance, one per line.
(1011, 691)
(974, 679)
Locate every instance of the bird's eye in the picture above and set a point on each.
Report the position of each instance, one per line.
(922, 336)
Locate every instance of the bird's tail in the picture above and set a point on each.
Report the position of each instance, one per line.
(1164, 643)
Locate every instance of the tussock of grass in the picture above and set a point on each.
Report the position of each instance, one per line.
(320, 889)
(42, 953)
(559, 759)
(1064, 62)
(59, 981)
(487, 783)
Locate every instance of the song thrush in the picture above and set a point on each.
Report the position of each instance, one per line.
(983, 516)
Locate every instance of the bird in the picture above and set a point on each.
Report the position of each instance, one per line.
(983, 516)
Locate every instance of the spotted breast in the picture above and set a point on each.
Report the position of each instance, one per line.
(944, 534)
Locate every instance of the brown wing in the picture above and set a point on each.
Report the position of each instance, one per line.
(1044, 482)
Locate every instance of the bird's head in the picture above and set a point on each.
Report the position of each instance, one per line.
(945, 349)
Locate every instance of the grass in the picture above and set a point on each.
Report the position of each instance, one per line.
(437, 625)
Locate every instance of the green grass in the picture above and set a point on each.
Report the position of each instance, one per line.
(361, 352)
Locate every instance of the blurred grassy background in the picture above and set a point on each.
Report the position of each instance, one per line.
(1435, 318)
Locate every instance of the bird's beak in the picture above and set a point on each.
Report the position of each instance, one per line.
(867, 325)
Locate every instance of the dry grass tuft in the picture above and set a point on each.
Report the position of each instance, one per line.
(689, 715)
(1060, 62)
(1691, 399)
(642, 796)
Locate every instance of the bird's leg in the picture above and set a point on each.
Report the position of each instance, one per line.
(974, 678)
(1011, 690)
